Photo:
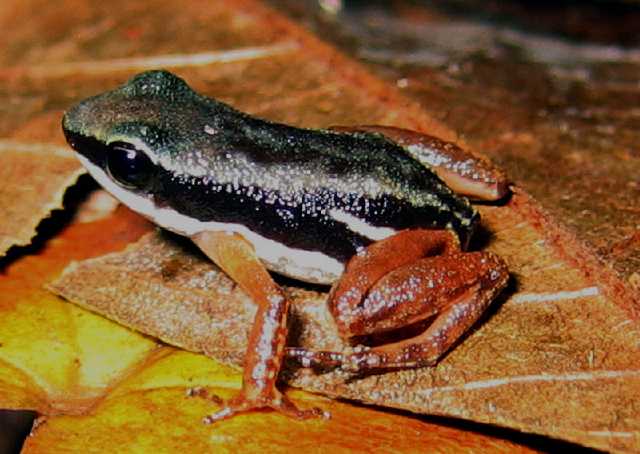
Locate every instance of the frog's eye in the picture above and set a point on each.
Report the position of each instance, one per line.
(129, 166)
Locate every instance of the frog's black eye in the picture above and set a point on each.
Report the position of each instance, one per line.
(129, 166)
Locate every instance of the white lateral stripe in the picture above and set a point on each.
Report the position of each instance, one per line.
(495, 382)
(359, 226)
(557, 296)
(163, 61)
(309, 266)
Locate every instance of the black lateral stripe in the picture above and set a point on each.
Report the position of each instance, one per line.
(297, 221)
(266, 213)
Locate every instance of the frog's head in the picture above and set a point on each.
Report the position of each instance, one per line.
(152, 128)
(129, 132)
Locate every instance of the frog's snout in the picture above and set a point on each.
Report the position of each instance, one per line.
(70, 127)
(72, 120)
(66, 122)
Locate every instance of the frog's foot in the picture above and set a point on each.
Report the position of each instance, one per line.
(242, 403)
(350, 359)
(199, 391)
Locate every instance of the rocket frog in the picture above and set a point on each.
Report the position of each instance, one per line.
(369, 210)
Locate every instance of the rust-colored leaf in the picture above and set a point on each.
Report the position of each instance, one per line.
(53, 356)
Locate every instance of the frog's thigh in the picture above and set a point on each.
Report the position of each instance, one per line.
(374, 262)
(236, 256)
(458, 287)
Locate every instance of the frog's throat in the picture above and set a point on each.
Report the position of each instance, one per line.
(308, 266)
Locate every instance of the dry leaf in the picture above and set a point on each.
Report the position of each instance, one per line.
(34, 179)
(572, 145)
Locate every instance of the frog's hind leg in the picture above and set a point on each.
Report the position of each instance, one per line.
(347, 300)
(454, 287)
(267, 340)
(457, 288)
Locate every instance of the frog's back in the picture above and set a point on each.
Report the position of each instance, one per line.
(318, 190)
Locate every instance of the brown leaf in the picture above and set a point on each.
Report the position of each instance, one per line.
(571, 145)
(34, 179)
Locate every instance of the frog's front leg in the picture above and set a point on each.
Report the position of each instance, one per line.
(265, 351)
(402, 281)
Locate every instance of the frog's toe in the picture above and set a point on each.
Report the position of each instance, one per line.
(278, 402)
